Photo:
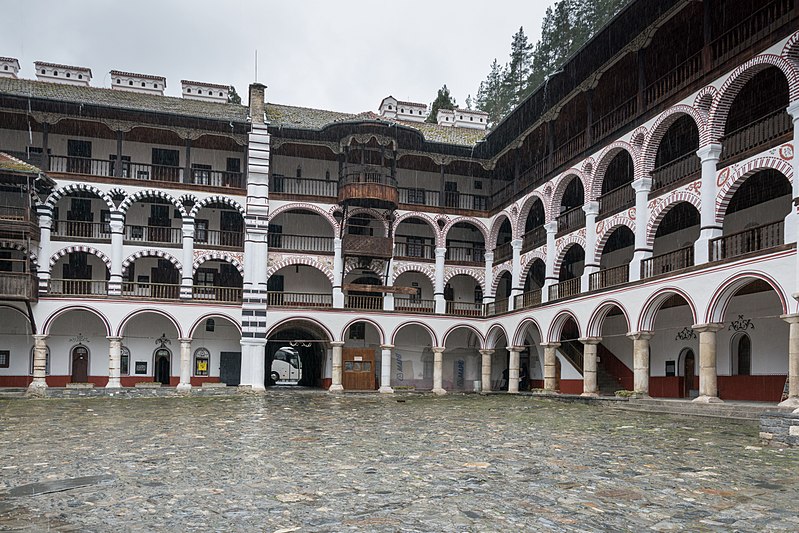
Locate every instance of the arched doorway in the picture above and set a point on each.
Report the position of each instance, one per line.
(162, 359)
(689, 385)
(297, 354)
(80, 364)
(741, 351)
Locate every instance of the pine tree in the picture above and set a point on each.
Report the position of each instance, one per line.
(490, 93)
(515, 81)
(443, 101)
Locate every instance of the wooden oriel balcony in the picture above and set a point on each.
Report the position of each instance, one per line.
(368, 186)
(367, 246)
(18, 286)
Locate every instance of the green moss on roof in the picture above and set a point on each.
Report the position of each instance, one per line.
(12, 164)
(123, 99)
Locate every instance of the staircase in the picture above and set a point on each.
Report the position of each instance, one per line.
(606, 382)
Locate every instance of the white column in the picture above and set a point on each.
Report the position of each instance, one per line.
(386, 353)
(708, 376)
(114, 362)
(438, 370)
(488, 295)
(709, 228)
(590, 387)
(792, 220)
(641, 361)
(438, 290)
(513, 369)
(551, 276)
(338, 274)
(642, 187)
(253, 361)
(485, 374)
(338, 349)
(187, 279)
(44, 252)
(117, 236)
(185, 365)
(38, 386)
(793, 361)
(551, 376)
(517, 284)
(591, 210)
(388, 297)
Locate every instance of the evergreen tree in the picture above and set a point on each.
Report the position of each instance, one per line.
(490, 94)
(443, 101)
(515, 81)
(233, 97)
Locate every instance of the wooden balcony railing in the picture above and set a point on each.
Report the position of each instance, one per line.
(668, 262)
(153, 234)
(497, 307)
(208, 293)
(536, 173)
(747, 241)
(18, 286)
(571, 220)
(617, 200)
(674, 80)
(299, 299)
(150, 291)
(12, 213)
(216, 178)
(465, 254)
(609, 277)
(465, 308)
(418, 196)
(144, 171)
(572, 351)
(77, 287)
(528, 299)
(569, 149)
(534, 238)
(366, 303)
(303, 186)
(564, 289)
(84, 230)
(615, 119)
(407, 304)
(756, 134)
(414, 250)
(300, 243)
(503, 252)
(215, 237)
(81, 165)
(460, 200)
(759, 24)
(683, 169)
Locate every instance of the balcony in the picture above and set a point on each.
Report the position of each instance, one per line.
(568, 150)
(680, 76)
(219, 239)
(150, 291)
(614, 120)
(366, 246)
(280, 184)
(465, 255)
(300, 243)
(368, 186)
(609, 277)
(617, 200)
(18, 286)
(747, 32)
(503, 252)
(405, 303)
(153, 234)
(216, 178)
(678, 172)
(78, 287)
(534, 238)
(668, 262)
(207, 293)
(747, 241)
(571, 220)
(496, 307)
(564, 289)
(473, 309)
(761, 133)
(451, 199)
(302, 300)
(18, 222)
(365, 303)
(95, 231)
(414, 251)
(528, 299)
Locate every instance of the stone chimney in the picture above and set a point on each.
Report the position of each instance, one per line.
(257, 104)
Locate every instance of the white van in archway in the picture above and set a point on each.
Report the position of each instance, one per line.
(286, 365)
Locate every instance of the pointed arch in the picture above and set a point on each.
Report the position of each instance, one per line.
(720, 109)
(556, 327)
(659, 209)
(428, 329)
(498, 277)
(213, 255)
(729, 182)
(45, 329)
(493, 336)
(472, 329)
(294, 259)
(646, 320)
(531, 258)
(151, 253)
(378, 327)
(325, 214)
(121, 329)
(199, 321)
(220, 199)
(80, 248)
(152, 193)
(560, 188)
(605, 157)
(522, 331)
(74, 188)
(595, 323)
(659, 129)
(717, 307)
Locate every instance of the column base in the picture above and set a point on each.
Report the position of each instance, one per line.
(184, 387)
(512, 392)
(251, 389)
(439, 392)
(113, 383)
(37, 389)
(335, 388)
(590, 395)
(385, 390)
(793, 402)
(707, 399)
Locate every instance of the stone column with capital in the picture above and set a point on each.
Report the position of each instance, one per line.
(708, 377)
(117, 225)
(551, 277)
(187, 278)
(590, 387)
(38, 386)
(513, 369)
(387, 350)
(641, 361)
(551, 377)
(793, 361)
(485, 370)
(708, 227)
(114, 362)
(792, 220)
(438, 289)
(591, 210)
(185, 365)
(338, 274)
(338, 349)
(488, 295)
(517, 283)
(45, 224)
(642, 186)
(253, 364)
(438, 370)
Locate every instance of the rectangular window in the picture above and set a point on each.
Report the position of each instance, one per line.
(205, 277)
(5, 358)
(124, 361)
(358, 331)
(201, 174)
(105, 218)
(201, 231)
(416, 196)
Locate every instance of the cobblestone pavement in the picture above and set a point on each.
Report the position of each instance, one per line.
(315, 462)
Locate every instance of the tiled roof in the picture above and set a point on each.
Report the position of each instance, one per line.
(205, 84)
(315, 119)
(59, 65)
(123, 100)
(416, 104)
(136, 75)
(12, 164)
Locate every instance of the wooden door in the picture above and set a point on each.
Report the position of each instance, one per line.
(80, 364)
(230, 368)
(358, 369)
(162, 370)
(688, 373)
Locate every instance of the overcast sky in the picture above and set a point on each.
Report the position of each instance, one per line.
(344, 55)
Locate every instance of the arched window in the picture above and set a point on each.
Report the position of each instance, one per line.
(741, 355)
(202, 358)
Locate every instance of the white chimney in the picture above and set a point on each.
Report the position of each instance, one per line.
(137, 83)
(210, 92)
(9, 67)
(64, 74)
(470, 118)
(446, 117)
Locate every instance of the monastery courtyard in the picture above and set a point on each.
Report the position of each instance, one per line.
(309, 461)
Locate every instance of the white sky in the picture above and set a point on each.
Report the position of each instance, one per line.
(343, 55)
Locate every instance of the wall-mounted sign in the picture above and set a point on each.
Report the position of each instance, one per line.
(141, 367)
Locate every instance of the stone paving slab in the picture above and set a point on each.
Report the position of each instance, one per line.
(293, 461)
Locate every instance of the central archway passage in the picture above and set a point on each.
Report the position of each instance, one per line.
(297, 354)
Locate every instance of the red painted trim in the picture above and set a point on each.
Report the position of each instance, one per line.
(762, 388)
(665, 387)
(571, 386)
(197, 381)
(326, 382)
(15, 381)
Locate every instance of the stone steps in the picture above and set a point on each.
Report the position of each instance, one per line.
(731, 410)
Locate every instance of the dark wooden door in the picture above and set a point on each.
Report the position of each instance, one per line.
(161, 366)
(230, 368)
(80, 364)
(688, 372)
(358, 372)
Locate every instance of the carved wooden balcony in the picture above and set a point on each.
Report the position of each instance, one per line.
(368, 186)
(367, 246)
